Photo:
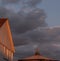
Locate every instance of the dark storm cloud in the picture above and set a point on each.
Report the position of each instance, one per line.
(40, 36)
(3, 12)
(33, 2)
(29, 22)
(21, 40)
(22, 22)
(6, 13)
(48, 40)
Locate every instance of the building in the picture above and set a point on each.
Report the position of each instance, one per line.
(6, 43)
(37, 57)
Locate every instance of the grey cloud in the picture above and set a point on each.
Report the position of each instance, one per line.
(46, 39)
(35, 36)
(21, 40)
(28, 21)
(33, 3)
(6, 13)
(22, 22)
(3, 12)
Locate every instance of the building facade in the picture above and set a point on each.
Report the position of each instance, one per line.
(6, 43)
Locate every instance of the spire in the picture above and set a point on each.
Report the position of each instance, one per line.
(37, 51)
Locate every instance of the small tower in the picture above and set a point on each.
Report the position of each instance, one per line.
(37, 51)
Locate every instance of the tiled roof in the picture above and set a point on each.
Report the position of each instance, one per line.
(37, 57)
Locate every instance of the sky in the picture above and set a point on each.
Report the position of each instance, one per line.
(34, 24)
(52, 9)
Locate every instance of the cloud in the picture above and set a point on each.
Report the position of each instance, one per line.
(33, 3)
(42, 36)
(22, 22)
(29, 22)
(17, 5)
(47, 41)
(3, 12)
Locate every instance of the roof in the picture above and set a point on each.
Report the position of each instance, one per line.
(37, 57)
(2, 21)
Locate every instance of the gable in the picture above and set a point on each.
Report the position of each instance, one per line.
(5, 35)
(2, 21)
